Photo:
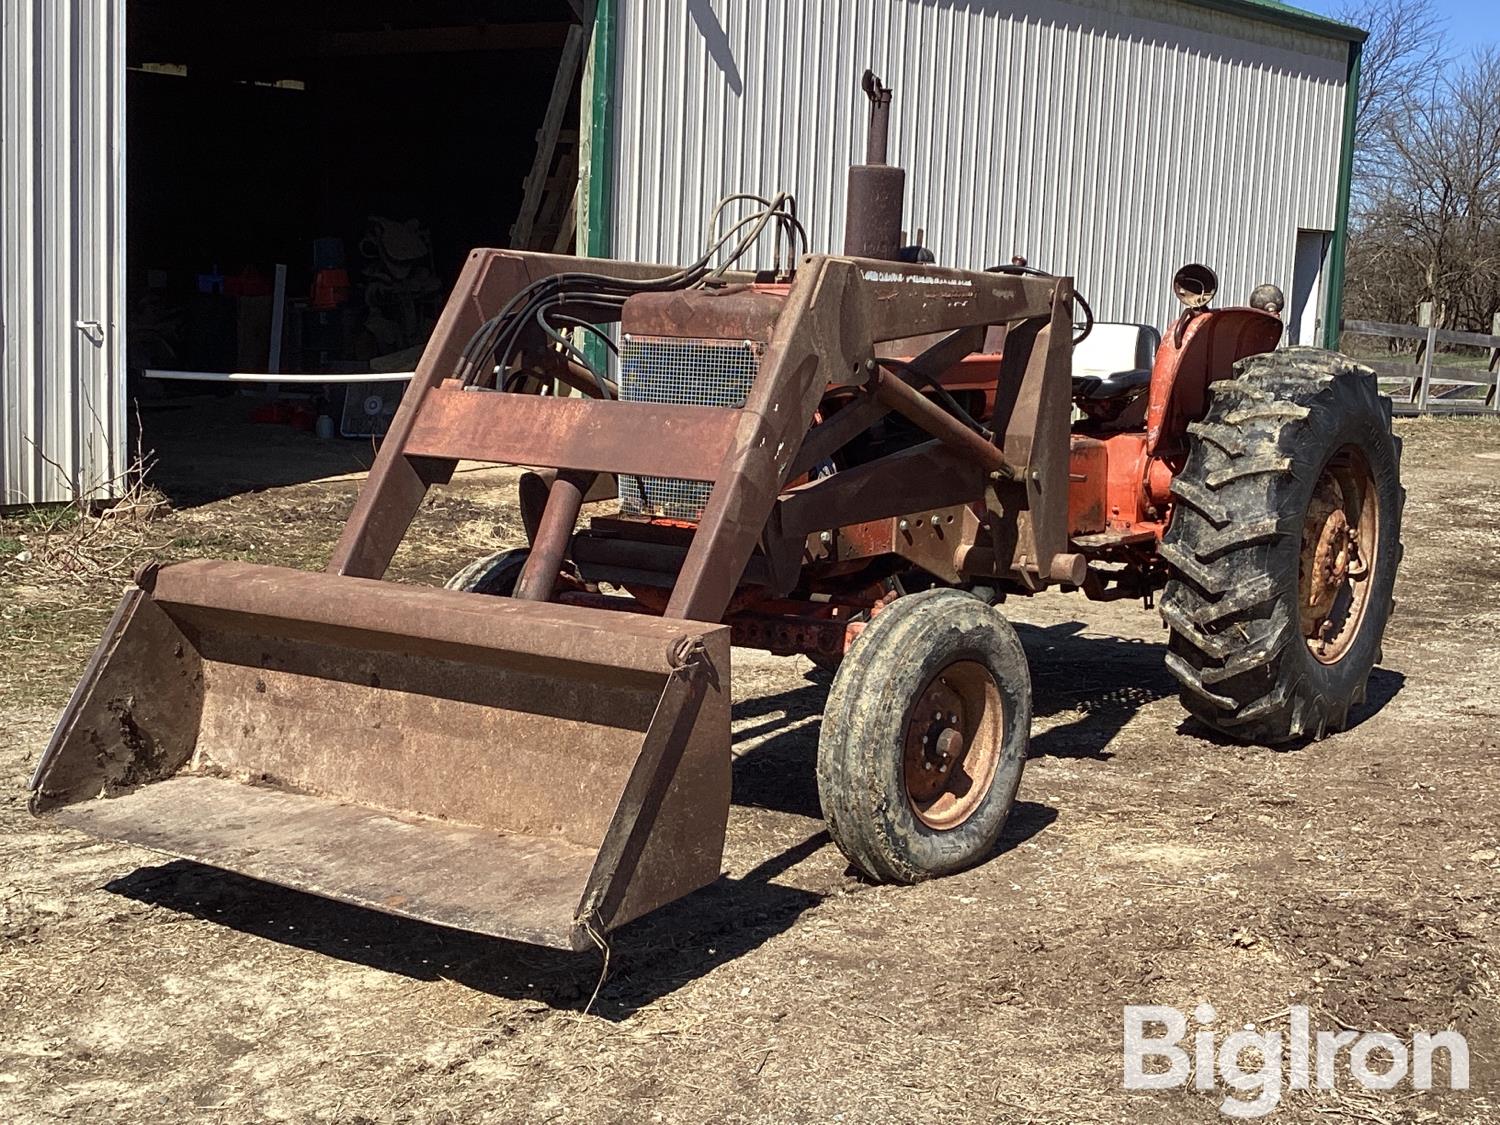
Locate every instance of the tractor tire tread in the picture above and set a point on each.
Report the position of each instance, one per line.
(1234, 542)
(861, 745)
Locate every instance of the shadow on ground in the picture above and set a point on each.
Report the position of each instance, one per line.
(206, 447)
(648, 959)
(1104, 680)
(1384, 685)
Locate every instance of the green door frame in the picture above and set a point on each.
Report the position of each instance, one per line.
(595, 227)
(1333, 303)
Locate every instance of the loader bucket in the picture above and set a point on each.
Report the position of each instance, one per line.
(532, 771)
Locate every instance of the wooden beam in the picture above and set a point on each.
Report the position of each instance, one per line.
(564, 83)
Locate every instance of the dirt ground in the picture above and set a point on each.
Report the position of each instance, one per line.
(1145, 863)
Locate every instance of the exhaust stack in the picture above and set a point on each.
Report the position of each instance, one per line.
(877, 190)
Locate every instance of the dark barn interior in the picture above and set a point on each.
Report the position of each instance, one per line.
(364, 147)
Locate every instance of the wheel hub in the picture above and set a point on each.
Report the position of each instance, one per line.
(1338, 545)
(952, 745)
(1325, 545)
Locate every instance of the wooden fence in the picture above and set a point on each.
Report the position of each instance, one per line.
(1430, 387)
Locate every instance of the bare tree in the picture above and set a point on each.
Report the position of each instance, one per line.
(1428, 226)
(1399, 64)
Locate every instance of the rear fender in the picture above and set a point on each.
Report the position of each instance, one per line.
(1201, 348)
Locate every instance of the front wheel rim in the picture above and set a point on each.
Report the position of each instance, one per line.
(953, 743)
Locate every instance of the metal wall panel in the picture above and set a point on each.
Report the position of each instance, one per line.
(1114, 140)
(62, 370)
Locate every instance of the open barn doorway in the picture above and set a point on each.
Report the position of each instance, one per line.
(303, 182)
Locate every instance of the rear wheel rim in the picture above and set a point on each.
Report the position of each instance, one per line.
(953, 745)
(1340, 543)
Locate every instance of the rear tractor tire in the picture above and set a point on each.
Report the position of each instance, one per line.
(1283, 547)
(924, 737)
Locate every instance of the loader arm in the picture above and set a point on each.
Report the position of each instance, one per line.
(835, 313)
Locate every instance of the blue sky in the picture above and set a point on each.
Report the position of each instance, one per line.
(1469, 22)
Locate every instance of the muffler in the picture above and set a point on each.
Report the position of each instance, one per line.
(533, 771)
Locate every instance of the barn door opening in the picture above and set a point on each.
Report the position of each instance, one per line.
(305, 181)
(1304, 309)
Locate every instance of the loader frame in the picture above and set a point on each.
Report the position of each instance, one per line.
(839, 321)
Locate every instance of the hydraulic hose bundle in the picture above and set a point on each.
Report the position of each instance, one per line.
(549, 307)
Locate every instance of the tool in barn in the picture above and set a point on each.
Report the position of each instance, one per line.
(847, 456)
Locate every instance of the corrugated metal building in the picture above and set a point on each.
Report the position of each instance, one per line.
(62, 344)
(1110, 139)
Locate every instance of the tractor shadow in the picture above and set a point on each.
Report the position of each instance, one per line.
(647, 960)
(1097, 683)
(1383, 686)
(1102, 681)
(1090, 685)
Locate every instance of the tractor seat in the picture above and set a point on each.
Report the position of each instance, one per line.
(1114, 360)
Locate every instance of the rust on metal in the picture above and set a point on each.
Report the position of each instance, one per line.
(953, 744)
(1337, 557)
(549, 545)
(792, 452)
(877, 190)
(573, 433)
(905, 399)
(382, 743)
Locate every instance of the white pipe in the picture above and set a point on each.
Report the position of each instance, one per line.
(260, 377)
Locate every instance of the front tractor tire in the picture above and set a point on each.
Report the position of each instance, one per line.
(494, 574)
(497, 574)
(924, 737)
(1283, 547)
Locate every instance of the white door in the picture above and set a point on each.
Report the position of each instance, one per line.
(62, 238)
(1304, 314)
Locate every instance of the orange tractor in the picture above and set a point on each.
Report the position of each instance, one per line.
(856, 457)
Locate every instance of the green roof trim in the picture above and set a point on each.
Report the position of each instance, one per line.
(1284, 15)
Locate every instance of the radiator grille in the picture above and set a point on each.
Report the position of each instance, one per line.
(684, 372)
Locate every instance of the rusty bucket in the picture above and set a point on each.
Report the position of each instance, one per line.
(533, 771)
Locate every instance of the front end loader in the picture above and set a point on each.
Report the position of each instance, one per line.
(855, 457)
